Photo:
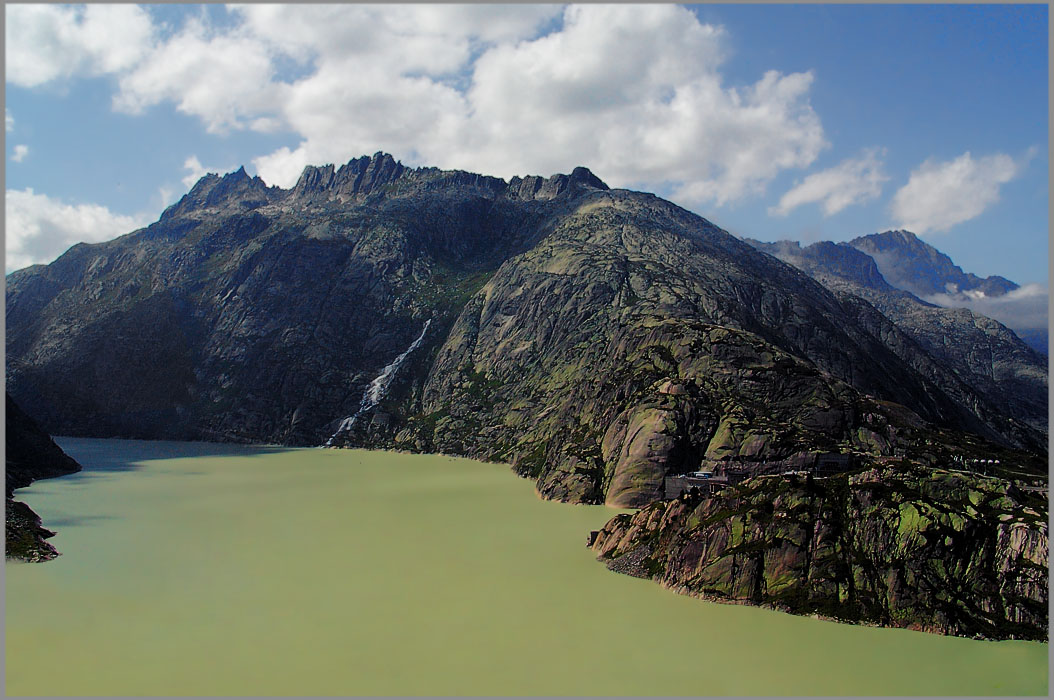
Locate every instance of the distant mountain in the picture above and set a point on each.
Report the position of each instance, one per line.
(912, 265)
(596, 339)
(988, 357)
(30, 454)
(917, 267)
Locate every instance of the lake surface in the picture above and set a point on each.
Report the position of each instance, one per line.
(198, 569)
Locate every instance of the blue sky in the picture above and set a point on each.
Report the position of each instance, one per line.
(808, 122)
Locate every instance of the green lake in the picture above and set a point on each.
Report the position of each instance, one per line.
(199, 569)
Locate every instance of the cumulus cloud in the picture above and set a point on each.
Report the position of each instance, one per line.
(9, 121)
(634, 92)
(1024, 308)
(39, 228)
(940, 195)
(20, 153)
(853, 181)
(47, 42)
(225, 80)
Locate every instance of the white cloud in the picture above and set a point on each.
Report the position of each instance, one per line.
(47, 42)
(9, 121)
(853, 181)
(226, 80)
(1023, 308)
(940, 195)
(39, 228)
(284, 166)
(20, 153)
(634, 92)
(197, 171)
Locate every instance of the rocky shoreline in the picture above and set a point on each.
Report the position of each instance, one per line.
(30, 454)
(906, 547)
(26, 538)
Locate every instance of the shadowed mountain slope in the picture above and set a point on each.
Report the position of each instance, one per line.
(597, 339)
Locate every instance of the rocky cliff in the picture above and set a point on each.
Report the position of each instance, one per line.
(30, 454)
(597, 339)
(895, 546)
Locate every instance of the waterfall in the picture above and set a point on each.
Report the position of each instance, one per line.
(378, 388)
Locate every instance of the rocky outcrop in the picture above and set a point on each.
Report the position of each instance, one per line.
(30, 454)
(26, 538)
(597, 339)
(895, 546)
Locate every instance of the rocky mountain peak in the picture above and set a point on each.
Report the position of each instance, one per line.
(912, 264)
(356, 178)
(547, 188)
(584, 176)
(826, 260)
(233, 189)
(596, 348)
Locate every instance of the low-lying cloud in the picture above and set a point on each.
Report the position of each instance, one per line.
(1024, 308)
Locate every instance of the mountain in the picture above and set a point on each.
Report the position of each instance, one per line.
(917, 267)
(895, 546)
(909, 264)
(596, 339)
(1005, 372)
(30, 454)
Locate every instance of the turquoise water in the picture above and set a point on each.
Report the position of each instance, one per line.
(196, 569)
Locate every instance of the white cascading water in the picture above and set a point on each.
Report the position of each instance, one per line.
(378, 388)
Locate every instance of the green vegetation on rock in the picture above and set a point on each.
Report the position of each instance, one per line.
(897, 545)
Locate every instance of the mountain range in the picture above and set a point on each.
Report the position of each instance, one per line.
(596, 339)
(1009, 375)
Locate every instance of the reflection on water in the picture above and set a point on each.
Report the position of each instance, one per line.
(190, 568)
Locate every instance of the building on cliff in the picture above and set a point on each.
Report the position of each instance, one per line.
(711, 481)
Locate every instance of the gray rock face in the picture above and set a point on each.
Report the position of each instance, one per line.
(559, 309)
